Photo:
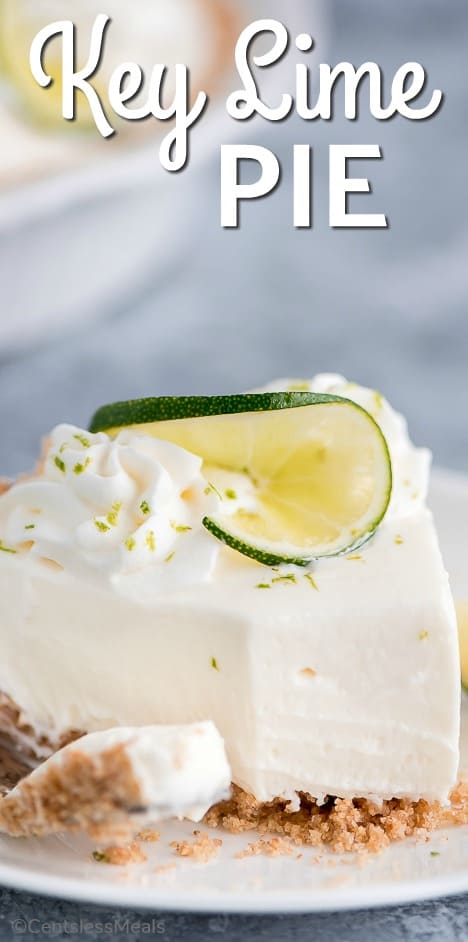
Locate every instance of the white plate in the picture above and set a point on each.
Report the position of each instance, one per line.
(404, 873)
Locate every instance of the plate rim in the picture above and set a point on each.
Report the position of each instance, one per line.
(262, 902)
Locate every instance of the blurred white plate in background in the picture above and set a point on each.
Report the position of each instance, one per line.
(75, 244)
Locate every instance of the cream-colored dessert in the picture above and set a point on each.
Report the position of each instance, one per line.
(121, 778)
(338, 679)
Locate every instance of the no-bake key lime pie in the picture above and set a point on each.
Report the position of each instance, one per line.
(265, 563)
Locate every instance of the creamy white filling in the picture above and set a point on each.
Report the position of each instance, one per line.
(351, 688)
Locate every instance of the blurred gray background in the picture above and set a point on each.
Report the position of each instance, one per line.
(237, 308)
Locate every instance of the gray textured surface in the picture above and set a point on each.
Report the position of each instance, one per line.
(23, 917)
(387, 308)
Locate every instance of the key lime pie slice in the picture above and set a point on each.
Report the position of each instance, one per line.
(264, 562)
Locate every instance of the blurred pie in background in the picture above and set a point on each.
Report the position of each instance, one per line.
(104, 207)
(35, 138)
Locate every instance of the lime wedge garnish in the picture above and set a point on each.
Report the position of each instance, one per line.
(462, 615)
(315, 468)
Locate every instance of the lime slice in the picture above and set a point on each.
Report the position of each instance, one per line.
(462, 614)
(313, 470)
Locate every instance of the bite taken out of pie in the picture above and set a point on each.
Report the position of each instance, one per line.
(330, 678)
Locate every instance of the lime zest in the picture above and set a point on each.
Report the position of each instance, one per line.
(150, 541)
(101, 526)
(378, 399)
(214, 664)
(100, 857)
(7, 549)
(130, 543)
(230, 494)
(80, 467)
(145, 507)
(82, 440)
(311, 581)
(290, 577)
(212, 489)
(60, 464)
(113, 515)
(263, 585)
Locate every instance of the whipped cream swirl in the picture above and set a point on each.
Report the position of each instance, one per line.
(129, 509)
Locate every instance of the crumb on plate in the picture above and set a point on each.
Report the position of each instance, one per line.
(202, 849)
(148, 836)
(120, 855)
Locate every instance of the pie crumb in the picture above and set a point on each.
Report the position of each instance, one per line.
(202, 849)
(276, 847)
(148, 836)
(120, 856)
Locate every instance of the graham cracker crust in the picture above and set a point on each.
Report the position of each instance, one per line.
(81, 792)
(340, 825)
